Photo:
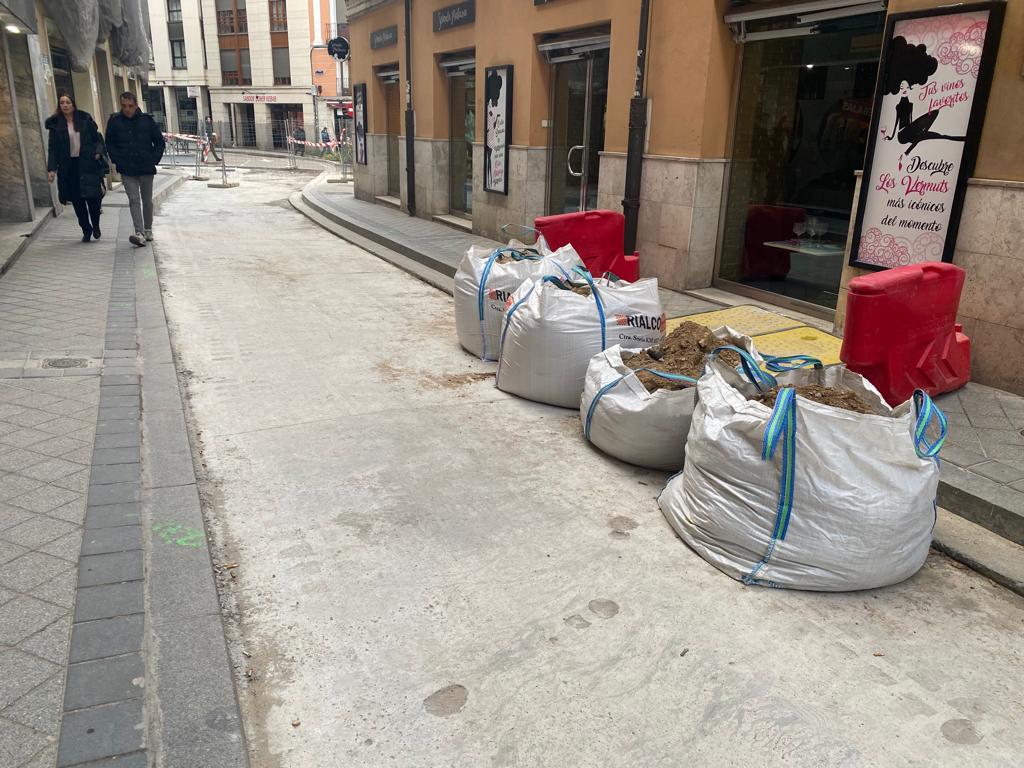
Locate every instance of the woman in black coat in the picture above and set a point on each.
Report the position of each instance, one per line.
(77, 160)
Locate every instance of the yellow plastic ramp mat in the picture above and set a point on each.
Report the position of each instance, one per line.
(747, 319)
(800, 341)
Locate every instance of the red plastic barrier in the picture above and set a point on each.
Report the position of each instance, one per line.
(597, 237)
(901, 332)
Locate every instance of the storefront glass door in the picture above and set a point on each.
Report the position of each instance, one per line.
(580, 98)
(801, 129)
(462, 88)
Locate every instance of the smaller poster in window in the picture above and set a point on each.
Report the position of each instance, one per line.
(359, 108)
(929, 108)
(497, 127)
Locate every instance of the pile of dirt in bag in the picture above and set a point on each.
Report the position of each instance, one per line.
(582, 290)
(837, 398)
(682, 352)
(505, 258)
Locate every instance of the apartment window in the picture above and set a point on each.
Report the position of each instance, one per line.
(178, 60)
(229, 66)
(245, 69)
(278, 16)
(282, 67)
(231, 17)
(174, 10)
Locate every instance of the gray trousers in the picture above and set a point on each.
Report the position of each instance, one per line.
(140, 200)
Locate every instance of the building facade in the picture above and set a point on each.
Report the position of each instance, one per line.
(758, 115)
(259, 68)
(42, 54)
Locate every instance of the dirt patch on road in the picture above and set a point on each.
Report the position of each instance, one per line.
(456, 380)
(682, 352)
(837, 398)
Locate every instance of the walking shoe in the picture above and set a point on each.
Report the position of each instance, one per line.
(138, 239)
(96, 233)
(86, 236)
(149, 235)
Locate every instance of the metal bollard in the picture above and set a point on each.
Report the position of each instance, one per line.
(197, 176)
(223, 183)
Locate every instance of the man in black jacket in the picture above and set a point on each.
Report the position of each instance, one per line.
(135, 145)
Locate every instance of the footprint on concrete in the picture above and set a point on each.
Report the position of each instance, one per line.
(621, 526)
(447, 701)
(603, 608)
(961, 731)
(576, 621)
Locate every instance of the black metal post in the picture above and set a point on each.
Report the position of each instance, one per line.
(410, 121)
(637, 133)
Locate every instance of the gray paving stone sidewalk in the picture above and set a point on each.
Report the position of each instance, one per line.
(984, 457)
(435, 245)
(53, 305)
(71, 574)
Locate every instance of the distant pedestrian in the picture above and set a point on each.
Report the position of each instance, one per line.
(300, 140)
(325, 139)
(136, 145)
(77, 160)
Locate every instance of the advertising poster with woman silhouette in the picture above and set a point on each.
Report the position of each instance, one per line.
(497, 127)
(932, 89)
(359, 113)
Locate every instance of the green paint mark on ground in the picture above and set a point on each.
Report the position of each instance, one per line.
(181, 535)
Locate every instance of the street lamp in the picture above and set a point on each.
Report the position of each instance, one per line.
(312, 92)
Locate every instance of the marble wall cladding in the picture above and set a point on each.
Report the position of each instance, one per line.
(990, 248)
(15, 202)
(680, 203)
(371, 180)
(432, 177)
(527, 192)
(28, 114)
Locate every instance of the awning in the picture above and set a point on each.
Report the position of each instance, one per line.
(752, 20)
(458, 64)
(388, 74)
(574, 47)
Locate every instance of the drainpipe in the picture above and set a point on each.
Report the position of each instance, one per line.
(637, 133)
(410, 144)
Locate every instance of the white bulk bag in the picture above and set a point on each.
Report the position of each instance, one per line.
(550, 334)
(483, 285)
(626, 421)
(807, 496)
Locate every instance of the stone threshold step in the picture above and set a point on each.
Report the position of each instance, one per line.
(981, 550)
(985, 502)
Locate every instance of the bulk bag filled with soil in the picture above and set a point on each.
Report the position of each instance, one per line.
(637, 404)
(815, 484)
(553, 327)
(486, 279)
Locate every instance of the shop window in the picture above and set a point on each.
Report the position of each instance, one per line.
(282, 66)
(278, 16)
(801, 128)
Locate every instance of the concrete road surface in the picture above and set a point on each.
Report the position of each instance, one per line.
(434, 573)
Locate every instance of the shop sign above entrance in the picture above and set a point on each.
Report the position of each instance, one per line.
(250, 98)
(455, 15)
(384, 38)
(929, 107)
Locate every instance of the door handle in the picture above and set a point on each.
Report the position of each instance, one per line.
(568, 160)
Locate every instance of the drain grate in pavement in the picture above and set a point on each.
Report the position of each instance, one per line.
(65, 362)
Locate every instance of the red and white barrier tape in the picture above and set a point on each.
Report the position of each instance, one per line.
(328, 144)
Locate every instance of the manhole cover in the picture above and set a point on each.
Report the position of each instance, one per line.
(64, 362)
